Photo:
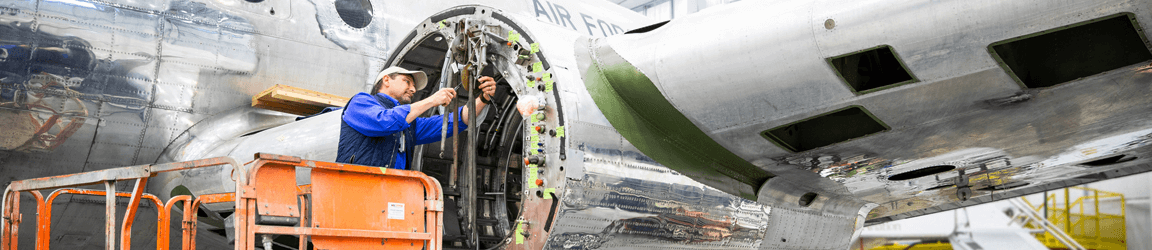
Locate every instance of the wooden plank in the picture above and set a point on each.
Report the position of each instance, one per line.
(308, 99)
(287, 108)
(295, 100)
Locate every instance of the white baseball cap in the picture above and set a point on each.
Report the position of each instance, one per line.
(420, 78)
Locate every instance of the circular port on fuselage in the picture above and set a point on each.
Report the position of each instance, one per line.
(355, 13)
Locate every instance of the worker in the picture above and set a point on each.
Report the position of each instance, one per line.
(381, 129)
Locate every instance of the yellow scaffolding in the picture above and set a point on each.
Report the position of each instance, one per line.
(1083, 219)
(1090, 225)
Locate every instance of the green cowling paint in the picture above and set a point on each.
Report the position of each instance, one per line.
(638, 111)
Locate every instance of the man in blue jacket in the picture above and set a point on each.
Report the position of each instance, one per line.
(381, 129)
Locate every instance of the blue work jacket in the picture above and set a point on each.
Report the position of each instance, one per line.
(371, 129)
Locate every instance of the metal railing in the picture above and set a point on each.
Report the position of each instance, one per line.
(1029, 217)
(267, 202)
(1081, 220)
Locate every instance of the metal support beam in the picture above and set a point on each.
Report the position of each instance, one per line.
(1067, 212)
(130, 214)
(110, 215)
(11, 220)
(80, 179)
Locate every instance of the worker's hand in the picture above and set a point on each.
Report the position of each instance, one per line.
(442, 97)
(487, 87)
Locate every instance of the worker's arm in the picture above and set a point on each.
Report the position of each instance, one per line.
(441, 97)
(369, 118)
(487, 91)
(428, 128)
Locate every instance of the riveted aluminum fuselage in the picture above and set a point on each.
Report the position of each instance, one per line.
(736, 77)
(140, 82)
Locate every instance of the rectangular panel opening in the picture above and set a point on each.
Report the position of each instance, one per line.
(871, 69)
(1071, 52)
(826, 129)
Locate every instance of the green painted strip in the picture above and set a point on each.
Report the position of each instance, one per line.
(635, 107)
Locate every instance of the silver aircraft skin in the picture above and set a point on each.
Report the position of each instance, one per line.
(94, 84)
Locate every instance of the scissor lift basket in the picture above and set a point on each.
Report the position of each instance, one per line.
(352, 206)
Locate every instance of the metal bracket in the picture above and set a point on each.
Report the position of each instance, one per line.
(277, 157)
(247, 192)
(277, 220)
(434, 205)
(963, 191)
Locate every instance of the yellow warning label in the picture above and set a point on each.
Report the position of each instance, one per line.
(537, 67)
(513, 36)
(520, 234)
(548, 193)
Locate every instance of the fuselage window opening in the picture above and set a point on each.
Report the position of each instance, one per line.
(871, 69)
(355, 13)
(826, 129)
(1067, 53)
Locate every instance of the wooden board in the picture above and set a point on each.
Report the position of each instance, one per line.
(295, 100)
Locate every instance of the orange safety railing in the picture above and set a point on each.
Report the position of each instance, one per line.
(352, 206)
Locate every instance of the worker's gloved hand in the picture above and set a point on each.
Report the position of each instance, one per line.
(487, 87)
(442, 97)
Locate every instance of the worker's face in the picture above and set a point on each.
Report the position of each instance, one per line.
(400, 88)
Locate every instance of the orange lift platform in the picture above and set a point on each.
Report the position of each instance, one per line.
(350, 208)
